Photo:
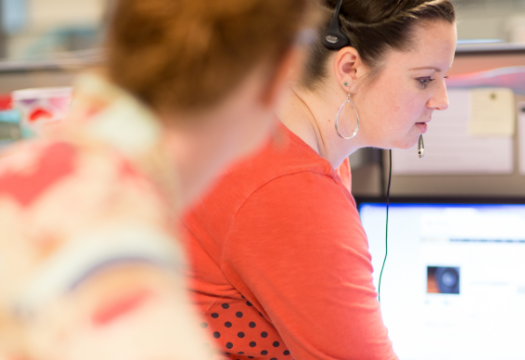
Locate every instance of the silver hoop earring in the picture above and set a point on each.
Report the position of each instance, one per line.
(337, 120)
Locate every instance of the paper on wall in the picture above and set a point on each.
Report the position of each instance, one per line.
(493, 112)
(451, 149)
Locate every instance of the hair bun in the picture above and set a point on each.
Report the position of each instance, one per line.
(191, 53)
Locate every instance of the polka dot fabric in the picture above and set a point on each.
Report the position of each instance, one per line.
(242, 331)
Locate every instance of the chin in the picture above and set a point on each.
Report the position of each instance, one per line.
(406, 143)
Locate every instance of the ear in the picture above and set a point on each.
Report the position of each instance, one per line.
(348, 68)
(286, 70)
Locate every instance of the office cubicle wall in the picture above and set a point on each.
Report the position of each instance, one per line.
(15, 80)
(369, 176)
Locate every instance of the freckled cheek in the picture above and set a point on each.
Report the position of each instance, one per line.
(412, 109)
(390, 108)
(396, 109)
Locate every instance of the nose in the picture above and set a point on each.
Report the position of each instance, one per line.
(439, 100)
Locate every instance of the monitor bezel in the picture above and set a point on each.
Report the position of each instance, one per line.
(438, 200)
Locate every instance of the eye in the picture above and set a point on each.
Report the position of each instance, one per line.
(425, 81)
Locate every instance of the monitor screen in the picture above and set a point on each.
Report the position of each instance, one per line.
(454, 281)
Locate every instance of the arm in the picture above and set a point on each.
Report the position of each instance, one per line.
(88, 270)
(298, 245)
(125, 299)
(114, 294)
(133, 312)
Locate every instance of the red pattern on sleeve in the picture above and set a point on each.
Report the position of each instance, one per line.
(120, 307)
(54, 162)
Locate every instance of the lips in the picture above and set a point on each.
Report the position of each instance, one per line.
(422, 126)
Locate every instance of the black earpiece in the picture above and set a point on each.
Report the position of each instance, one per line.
(333, 38)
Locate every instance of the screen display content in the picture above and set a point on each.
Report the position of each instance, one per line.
(454, 281)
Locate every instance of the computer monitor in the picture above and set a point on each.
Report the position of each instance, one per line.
(454, 281)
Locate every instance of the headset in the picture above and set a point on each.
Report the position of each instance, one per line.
(334, 39)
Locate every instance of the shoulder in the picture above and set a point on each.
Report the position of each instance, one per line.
(285, 154)
(307, 188)
(53, 193)
(42, 182)
(301, 202)
(284, 159)
(284, 162)
(304, 216)
(29, 169)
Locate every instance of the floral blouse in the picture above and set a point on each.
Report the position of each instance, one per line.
(89, 265)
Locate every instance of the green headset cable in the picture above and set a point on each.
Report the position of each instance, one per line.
(386, 234)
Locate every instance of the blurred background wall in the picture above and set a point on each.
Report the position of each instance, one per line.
(498, 20)
(43, 29)
(39, 29)
(46, 42)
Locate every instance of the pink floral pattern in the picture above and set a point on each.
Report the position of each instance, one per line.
(104, 168)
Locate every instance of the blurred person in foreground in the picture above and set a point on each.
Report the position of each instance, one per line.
(90, 268)
(281, 267)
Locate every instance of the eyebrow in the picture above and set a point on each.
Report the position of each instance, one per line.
(426, 68)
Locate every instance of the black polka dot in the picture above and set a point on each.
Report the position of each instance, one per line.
(204, 325)
(215, 315)
(248, 303)
(228, 324)
(251, 324)
(253, 343)
(276, 344)
(225, 306)
(243, 296)
(251, 357)
(264, 352)
(238, 314)
(229, 345)
(260, 313)
(264, 334)
(286, 352)
(216, 334)
(273, 359)
(240, 334)
(240, 353)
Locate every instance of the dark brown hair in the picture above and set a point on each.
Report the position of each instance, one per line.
(189, 54)
(373, 27)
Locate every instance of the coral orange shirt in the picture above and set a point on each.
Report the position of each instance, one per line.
(281, 268)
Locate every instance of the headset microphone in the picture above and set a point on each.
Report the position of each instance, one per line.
(421, 147)
(333, 38)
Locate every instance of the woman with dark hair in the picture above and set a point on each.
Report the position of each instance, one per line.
(90, 268)
(281, 267)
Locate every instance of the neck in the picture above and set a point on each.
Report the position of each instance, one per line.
(190, 148)
(304, 113)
